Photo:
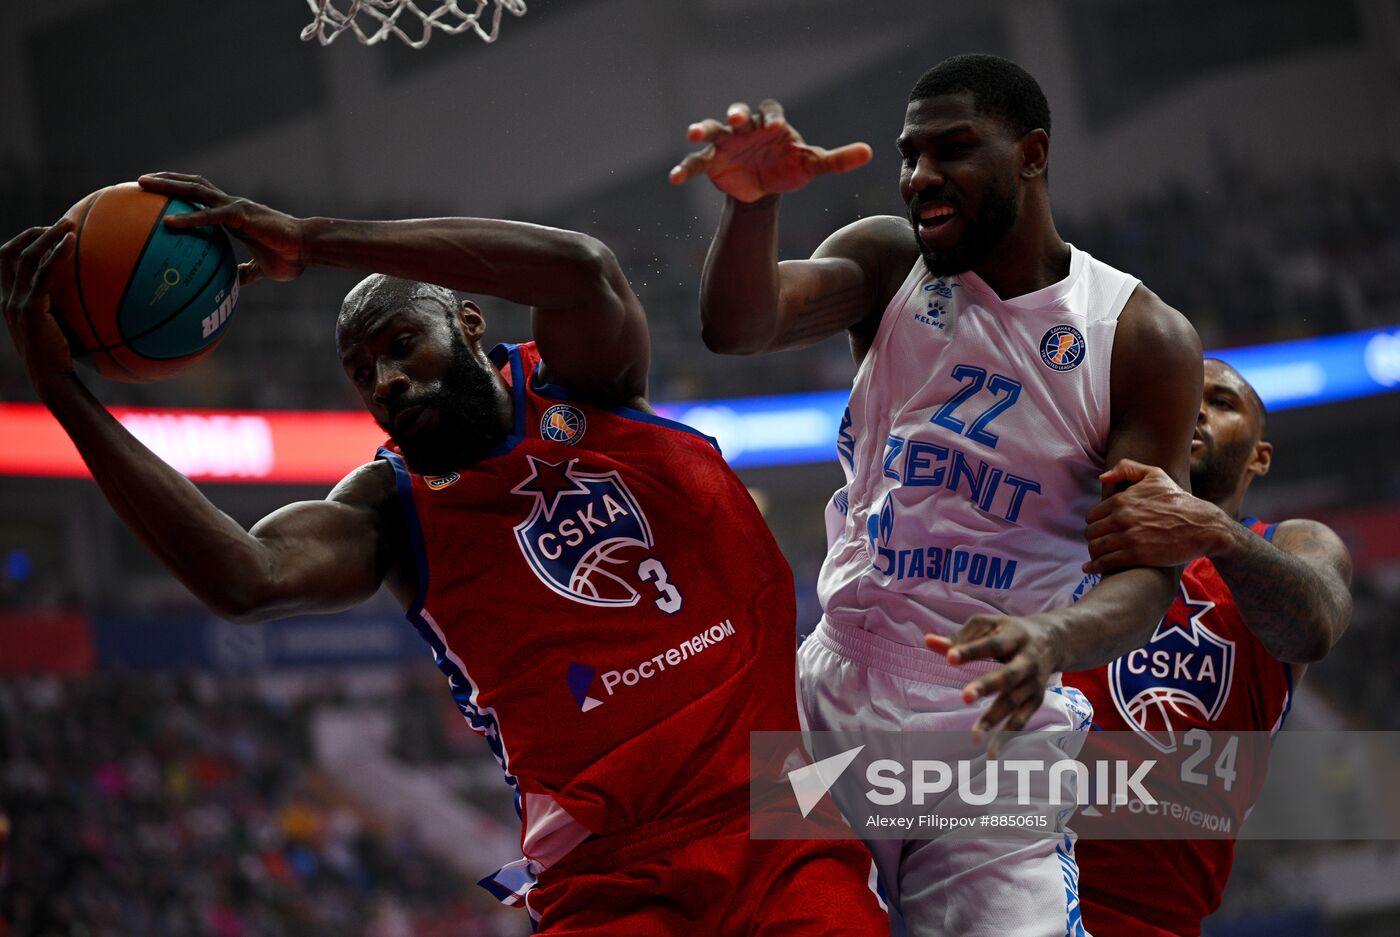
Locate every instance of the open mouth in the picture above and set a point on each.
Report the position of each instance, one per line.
(934, 218)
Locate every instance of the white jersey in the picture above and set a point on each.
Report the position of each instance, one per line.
(976, 431)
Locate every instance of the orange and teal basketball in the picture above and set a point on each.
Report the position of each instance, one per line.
(143, 301)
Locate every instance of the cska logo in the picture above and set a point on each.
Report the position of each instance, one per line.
(1178, 678)
(577, 529)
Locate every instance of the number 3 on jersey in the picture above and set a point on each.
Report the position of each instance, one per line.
(651, 570)
(974, 378)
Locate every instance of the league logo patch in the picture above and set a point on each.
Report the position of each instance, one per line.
(1062, 348)
(563, 423)
(580, 683)
(1183, 673)
(578, 530)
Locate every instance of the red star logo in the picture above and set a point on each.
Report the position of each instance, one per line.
(548, 482)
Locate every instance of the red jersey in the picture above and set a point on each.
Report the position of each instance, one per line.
(611, 612)
(1202, 668)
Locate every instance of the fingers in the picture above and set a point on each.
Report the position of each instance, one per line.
(197, 219)
(1112, 560)
(937, 643)
(706, 131)
(181, 185)
(693, 165)
(1101, 510)
(29, 270)
(1099, 530)
(1001, 680)
(10, 254)
(738, 115)
(974, 644)
(1015, 722)
(249, 272)
(771, 113)
(842, 159)
(1126, 470)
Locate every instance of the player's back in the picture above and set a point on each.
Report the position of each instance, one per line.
(610, 609)
(973, 440)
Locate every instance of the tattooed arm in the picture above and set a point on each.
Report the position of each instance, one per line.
(1293, 592)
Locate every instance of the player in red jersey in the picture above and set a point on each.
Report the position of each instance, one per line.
(1257, 603)
(600, 590)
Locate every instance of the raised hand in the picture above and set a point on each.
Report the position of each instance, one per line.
(274, 239)
(753, 154)
(27, 265)
(1025, 647)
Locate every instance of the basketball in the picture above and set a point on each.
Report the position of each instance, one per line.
(141, 301)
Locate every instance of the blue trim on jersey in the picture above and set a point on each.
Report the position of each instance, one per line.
(1069, 870)
(1288, 699)
(1268, 533)
(403, 484)
(458, 683)
(502, 353)
(559, 392)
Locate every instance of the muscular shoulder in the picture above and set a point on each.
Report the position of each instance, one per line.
(1154, 347)
(371, 486)
(1149, 323)
(372, 489)
(1316, 541)
(883, 237)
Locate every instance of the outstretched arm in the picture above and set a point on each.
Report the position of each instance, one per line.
(589, 325)
(309, 557)
(1293, 592)
(1155, 387)
(749, 302)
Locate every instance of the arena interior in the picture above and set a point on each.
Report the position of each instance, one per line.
(166, 773)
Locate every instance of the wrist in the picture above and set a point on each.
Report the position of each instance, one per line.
(1226, 536)
(310, 236)
(57, 388)
(767, 202)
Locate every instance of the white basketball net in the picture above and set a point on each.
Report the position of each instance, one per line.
(372, 21)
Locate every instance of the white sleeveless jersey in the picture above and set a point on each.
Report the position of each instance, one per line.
(976, 431)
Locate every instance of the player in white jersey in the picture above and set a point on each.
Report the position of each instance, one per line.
(1000, 371)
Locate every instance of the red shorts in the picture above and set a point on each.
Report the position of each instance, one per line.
(707, 877)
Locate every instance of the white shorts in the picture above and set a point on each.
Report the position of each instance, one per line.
(1007, 884)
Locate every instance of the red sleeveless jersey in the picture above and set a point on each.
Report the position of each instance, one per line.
(611, 612)
(1202, 668)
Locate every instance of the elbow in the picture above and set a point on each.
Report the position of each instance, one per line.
(240, 612)
(725, 342)
(248, 604)
(589, 260)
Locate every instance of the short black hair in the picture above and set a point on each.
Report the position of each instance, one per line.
(999, 87)
(1249, 390)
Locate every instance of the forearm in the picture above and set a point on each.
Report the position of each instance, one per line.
(524, 263)
(1116, 616)
(204, 548)
(739, 311)
(1292, 606)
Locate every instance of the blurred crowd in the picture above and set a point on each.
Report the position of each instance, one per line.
(169, 807)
